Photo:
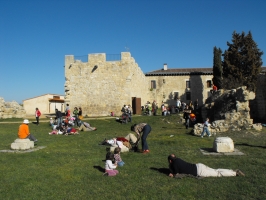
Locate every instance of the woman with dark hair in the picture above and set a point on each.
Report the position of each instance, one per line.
(145, 129)
(80, 113)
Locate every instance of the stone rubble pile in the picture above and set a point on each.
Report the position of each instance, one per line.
(235, 120)
(11, 110)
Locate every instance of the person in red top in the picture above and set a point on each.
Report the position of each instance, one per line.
(37, 115)
(214, 89)
(24, 131)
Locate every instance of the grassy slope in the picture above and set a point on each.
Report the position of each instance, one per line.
(70, 166)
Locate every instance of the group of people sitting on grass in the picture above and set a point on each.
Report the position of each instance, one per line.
(67, 126)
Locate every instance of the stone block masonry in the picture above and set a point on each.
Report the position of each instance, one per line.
(101, 87)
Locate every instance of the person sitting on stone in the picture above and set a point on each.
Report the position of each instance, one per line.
(178, 167)
(24, 131)
(86, 127)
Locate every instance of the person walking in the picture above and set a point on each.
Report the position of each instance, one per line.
(37, 115)
(206, 128)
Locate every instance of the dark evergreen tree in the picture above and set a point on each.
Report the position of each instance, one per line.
(242, 62)
(217, 67)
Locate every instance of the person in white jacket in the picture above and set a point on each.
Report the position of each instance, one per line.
(110, 168)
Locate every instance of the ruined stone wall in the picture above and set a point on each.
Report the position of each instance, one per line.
(167, 86)
(229, 110)
(100, 86)
(11, 109)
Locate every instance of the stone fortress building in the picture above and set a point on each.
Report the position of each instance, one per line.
(100, 86)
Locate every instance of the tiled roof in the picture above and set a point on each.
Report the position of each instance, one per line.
(185, 71)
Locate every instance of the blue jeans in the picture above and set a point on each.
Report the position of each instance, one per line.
(187, 122)
(205, 129)
(146, 131)
(59, 121)
(120, 164)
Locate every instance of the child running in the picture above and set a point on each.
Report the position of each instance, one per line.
(117, 157)
(109, 166)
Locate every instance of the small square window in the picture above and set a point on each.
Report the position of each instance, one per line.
(153, 84)
(187, 84)
(209, 83)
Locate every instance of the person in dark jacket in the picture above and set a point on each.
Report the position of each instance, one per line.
(145, 129)
(186, 114)
(58, 117)
(178, 166)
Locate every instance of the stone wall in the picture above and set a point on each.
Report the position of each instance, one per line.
(11, 110)
(100, 86)
(167, 86)
(229, 110)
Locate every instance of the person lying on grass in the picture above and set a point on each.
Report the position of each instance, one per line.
(129, 141)
(178, 166)
(86, 127)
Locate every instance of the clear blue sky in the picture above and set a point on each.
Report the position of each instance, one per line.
(36, 35)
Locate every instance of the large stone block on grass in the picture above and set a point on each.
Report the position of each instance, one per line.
(22, 144)
(223, 144)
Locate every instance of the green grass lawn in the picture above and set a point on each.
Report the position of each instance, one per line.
(70, 167)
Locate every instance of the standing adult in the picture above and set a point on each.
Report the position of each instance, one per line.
(206, 128)
(163, 108)
(24, 131)
(214, 89)
(80, 113)
(129, 112)
(196, 105)
(58, 117)
(178, 105)
(67, 111)
(37, 115)
(75, 113)
(186, 114)
(145, 129)
(154, 107)
(149, 108)
(178, 166)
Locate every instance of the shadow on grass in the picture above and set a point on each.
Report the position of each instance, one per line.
(249, 145)
(208, 149)
(101, 169)
(161, 170)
